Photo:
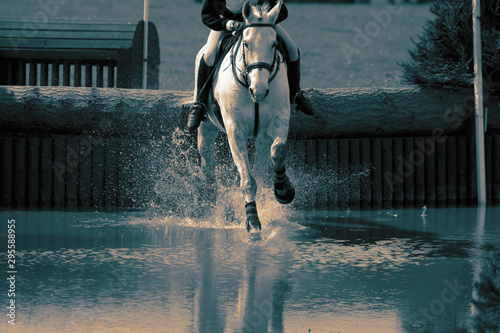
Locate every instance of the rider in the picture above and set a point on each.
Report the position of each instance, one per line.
(222, 17)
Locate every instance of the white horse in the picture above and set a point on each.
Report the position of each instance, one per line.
(251, 89)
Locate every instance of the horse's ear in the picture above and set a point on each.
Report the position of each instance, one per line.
(275, 11)
(247, 11)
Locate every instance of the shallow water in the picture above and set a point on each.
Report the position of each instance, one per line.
(347, 271)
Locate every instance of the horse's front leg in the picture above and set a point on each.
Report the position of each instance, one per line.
(284, 191)
(262, 166)
(238, 143)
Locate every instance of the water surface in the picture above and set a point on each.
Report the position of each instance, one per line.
(347, 271)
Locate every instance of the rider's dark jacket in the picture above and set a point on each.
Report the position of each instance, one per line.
(215, 14)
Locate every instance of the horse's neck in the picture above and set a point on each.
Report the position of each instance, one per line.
(238, 67)
(224, 73)
(239, 59)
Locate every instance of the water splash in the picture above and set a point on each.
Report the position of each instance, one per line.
(176, 174)
(182, 191)
(329, 187)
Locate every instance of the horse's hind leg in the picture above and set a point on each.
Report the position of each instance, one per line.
(239, 150)
(207, 133)
(283, 188)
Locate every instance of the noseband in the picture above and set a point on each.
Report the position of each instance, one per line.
(255, 65)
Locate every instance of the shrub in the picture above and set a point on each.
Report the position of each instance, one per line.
(443, 56)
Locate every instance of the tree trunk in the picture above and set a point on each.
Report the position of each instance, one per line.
(357, 112)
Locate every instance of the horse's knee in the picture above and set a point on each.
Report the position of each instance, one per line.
(249, 187)
(278, 152)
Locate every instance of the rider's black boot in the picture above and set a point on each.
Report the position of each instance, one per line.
(199, 108)
(302, 102)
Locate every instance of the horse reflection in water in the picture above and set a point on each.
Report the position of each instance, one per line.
(256, 304)
(251, 89)
(262, 295)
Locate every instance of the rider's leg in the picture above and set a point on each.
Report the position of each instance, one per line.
(302, 102)
(293, 51)
(205, 67)
(212, 41)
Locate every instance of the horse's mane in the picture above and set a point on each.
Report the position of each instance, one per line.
(264, 7)
(260, 4)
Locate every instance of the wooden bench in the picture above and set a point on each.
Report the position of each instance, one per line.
(76, 52)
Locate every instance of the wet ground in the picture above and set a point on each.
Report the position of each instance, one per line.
(349, 271)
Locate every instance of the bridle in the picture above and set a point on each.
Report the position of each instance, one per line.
(255, 65)
(273, 68)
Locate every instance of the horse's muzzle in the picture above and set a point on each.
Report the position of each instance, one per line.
(258, 97)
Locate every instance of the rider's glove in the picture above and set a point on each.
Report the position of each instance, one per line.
(232, 25)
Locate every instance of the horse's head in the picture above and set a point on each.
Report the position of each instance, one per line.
(259, 46)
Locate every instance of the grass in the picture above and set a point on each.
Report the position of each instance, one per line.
(318, 29)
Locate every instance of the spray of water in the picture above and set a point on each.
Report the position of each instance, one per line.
(329, 188)
(183, 192)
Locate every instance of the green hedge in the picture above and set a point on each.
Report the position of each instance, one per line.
(443, 55)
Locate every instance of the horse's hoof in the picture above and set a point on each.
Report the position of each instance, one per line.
(253, 224)
(255, 237)
(288, 195)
